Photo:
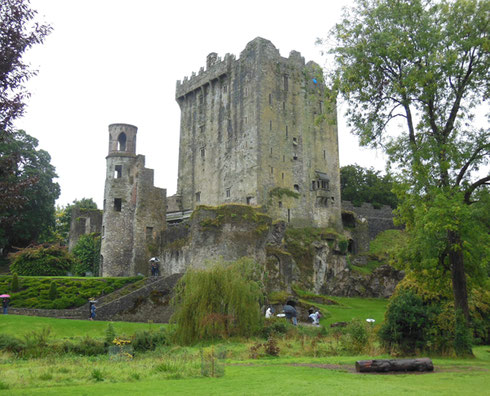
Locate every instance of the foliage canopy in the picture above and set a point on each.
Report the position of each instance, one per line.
(424, 64)
(220, 301)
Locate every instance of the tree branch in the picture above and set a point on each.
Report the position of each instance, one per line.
(467, 164)
(473, 187)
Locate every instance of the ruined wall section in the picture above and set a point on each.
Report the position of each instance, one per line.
(83, 221)
(378, 219)
(134, 210)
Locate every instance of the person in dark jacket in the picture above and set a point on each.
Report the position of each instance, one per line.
(5, 305)
(290, 312)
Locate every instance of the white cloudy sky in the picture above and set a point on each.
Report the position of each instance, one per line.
(110, 61)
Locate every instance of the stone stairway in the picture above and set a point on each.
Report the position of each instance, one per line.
(121, 304)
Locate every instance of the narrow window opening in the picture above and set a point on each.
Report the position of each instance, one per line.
(245, 92)
(296, 187)
(149, 234)
(286, 131)
(283, 158)
(271, 150)
(270, 99)
(117, 204)
(284, 106)
(203, 152)
(280, 204)
(117, 171)
(121, 142)
(198, 196)
(282, 176)
(295, 157)
(249, 200)
(228, 192)
(289, 215)
(295, 141)
(324, 154)
(272, 170)
(103, 231)
(270, 125)
(286, 83)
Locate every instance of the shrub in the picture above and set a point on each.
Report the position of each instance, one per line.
(148, 340)
(220, 301)
(14, 285)
(42, 260)
(10, 343)
(53, 291)
(355, 338)
(110, 334)
(408, 323)
(275, 326)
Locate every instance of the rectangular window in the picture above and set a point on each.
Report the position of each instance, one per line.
(283, 158)
(271, 150)
(117, 171)
(324, 154)
(282, 176)
(270, 125)
(198, 197)
(117, 204)
(149, 233)
(295, 157)
(286, 131)
(295, 141)
(284, 106)
(289, 215)
(286, 83)
(249, 200)
(228, 192)
(270, 99)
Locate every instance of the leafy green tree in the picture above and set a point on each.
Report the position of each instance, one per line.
(35, 218)
(87, 251)
(220, 301)
(19, 31)
(424, 64)
(358, 185)
(63, 216)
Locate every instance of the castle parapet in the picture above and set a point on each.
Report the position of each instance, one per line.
(216, 69)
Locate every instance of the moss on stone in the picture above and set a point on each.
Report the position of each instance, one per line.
(177, 244)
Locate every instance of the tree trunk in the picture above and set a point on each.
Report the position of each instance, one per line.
(382, 366)
(458, 275)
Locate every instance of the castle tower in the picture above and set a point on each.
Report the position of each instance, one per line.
(258, 130)
(134, 210)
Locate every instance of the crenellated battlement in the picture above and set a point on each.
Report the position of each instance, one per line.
(215, 69)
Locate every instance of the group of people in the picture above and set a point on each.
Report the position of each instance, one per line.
(291, 314)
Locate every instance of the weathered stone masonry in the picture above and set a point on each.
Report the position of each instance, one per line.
(255, 125)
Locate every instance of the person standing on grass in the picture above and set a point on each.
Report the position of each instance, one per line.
(290, 312)
(92, 310)
(5, 305)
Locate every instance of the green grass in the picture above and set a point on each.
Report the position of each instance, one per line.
(354, 308)
(19, 325)
(284, 376)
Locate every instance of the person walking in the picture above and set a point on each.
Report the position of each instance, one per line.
(290, 312)
(5, 305)
(93, 308)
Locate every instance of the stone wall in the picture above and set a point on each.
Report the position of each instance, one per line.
(255, 124)
(84, 221)
(378, 219)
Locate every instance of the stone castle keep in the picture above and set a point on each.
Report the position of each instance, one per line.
(254, 130)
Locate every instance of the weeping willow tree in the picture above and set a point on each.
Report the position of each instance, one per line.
(218, 302)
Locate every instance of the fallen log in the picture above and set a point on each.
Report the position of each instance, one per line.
(385, 365)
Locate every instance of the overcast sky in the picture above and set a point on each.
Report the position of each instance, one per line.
(117, 61)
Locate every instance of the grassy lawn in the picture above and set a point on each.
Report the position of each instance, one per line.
(288, 376)
(19, 325)
(352, 307)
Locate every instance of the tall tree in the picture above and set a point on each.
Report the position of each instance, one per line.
(423, 66)
(358, 185)
(22, 226)
(18, 32)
